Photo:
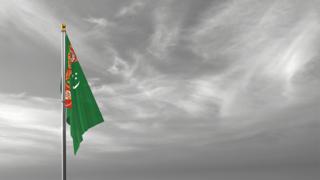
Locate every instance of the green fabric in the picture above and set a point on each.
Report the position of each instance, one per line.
(84, 112)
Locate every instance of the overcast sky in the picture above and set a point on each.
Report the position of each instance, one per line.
(189, 89)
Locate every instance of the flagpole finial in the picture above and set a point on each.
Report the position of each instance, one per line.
(63, 27)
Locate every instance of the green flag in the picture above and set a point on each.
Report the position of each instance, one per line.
(82, 110)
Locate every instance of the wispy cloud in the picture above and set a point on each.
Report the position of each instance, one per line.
(28, 124)
(165, 34)
(32, 126)
(263, 64)
(101, 22)
(130, 9)
(232, 84)
(32, 18)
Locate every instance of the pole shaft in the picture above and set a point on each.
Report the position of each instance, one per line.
(63, 123)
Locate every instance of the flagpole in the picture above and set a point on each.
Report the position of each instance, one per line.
(63, 145)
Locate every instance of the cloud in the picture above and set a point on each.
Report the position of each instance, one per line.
(183, 86)
(29, 124)
(41, 25)
(119, 66)
(32, 127)
(101, 22)
(130, 9)
(260, 51)
(165, 34)
(32, 18)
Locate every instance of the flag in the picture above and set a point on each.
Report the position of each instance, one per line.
(82, 111)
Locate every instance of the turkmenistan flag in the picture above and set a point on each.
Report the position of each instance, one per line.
(81, 108)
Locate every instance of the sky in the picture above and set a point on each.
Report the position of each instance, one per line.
(192, 90)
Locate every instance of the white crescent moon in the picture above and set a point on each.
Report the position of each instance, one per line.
(75, 87)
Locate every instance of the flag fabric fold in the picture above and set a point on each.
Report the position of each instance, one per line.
(82, 111)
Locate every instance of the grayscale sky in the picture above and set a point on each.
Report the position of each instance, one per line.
(189, 89)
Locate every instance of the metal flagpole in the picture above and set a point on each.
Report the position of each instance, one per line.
(63, 56)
